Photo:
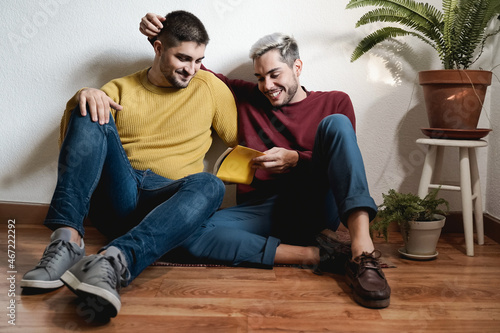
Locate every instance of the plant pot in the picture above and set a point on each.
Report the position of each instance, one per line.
(454, 98)
(422, 237)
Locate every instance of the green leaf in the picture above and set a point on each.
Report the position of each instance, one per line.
(458, 34)
(403, 207)
(381, 35)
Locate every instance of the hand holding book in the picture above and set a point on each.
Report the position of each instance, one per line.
(235, 165)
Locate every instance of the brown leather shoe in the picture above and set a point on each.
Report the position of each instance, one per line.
(364, 275)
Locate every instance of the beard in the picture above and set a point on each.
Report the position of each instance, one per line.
(174, 81)
(289, 94)
(173, 76)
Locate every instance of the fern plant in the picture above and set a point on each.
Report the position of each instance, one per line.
(458, 33)
(403, 207)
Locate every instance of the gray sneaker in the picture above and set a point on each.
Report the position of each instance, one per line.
(97, 280)
(58, 256)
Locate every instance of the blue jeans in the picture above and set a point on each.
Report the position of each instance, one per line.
(145, 214)
(323, 196)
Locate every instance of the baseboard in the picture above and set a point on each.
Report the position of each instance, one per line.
(33, 213)
(454, 224)
(22, 212)
(25, 213)
(492, 227)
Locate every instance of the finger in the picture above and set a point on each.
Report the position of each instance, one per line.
(83, 106)
(272, 150)
(147, 31)
(147, 27)
(103, 110)
(153, 22)
(263, 158)
(115, 105)
(106, 114)
(158, 19)
(99, 110)
(268, 165)
(92, 108)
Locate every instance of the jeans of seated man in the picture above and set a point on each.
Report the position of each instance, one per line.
(145, 214)
(249, 233)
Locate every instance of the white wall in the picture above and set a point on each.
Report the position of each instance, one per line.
(51, 48)
(493, 176)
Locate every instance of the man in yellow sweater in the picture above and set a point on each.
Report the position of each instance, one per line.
(137, 174)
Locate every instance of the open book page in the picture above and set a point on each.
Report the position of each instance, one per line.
(235, 165)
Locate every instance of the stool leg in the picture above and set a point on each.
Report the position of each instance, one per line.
(476, 191)
(465, 187)
(425, 179)
(438, 165)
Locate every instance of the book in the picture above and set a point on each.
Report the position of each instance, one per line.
(235, 165)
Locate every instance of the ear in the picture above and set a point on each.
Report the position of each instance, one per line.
(297, 67)
(158, 47)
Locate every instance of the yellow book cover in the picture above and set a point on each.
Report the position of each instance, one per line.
(235, 165)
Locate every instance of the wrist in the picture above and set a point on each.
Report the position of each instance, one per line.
(296, 159)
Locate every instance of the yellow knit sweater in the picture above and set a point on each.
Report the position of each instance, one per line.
(168, 130)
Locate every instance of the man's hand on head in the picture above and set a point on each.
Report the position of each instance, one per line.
(99, 104)
(151, 25)
(277, 160)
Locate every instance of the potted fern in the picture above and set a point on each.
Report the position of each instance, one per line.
(453, 96)
(420, 221)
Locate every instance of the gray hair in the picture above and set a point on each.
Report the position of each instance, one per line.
(285, 44)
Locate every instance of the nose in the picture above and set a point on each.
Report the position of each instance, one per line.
(191, 68)
(268, 84)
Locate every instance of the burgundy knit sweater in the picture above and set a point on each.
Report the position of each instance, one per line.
(262, 126)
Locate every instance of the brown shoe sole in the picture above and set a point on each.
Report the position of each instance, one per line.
(373, 304)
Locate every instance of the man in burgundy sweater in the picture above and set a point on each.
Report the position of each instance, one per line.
(311, 177)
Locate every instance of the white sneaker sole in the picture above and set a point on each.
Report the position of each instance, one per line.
(40, 284)
(104, 298)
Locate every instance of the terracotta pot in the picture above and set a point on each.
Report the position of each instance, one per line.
(454, 98)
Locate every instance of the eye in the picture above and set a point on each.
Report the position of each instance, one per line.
(183, 59)
(275, 75)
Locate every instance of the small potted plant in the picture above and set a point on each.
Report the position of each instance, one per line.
(420, 221)
(453, 96)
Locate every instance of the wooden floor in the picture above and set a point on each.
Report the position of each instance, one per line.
(453, 293)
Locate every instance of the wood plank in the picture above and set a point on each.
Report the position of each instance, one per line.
(453, 293)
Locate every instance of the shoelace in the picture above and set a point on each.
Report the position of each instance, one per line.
(368, 261)
(54, 249)
(114, 270)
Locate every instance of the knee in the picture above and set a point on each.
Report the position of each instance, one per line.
(335, 128)
(335, 123)
(77, 121)
(208, 184)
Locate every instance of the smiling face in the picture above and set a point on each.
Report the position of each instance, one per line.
(176, 66)
(277, 81)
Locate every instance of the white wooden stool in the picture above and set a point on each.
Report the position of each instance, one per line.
(470, 186)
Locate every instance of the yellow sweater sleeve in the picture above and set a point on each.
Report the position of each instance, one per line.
(226, 118)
